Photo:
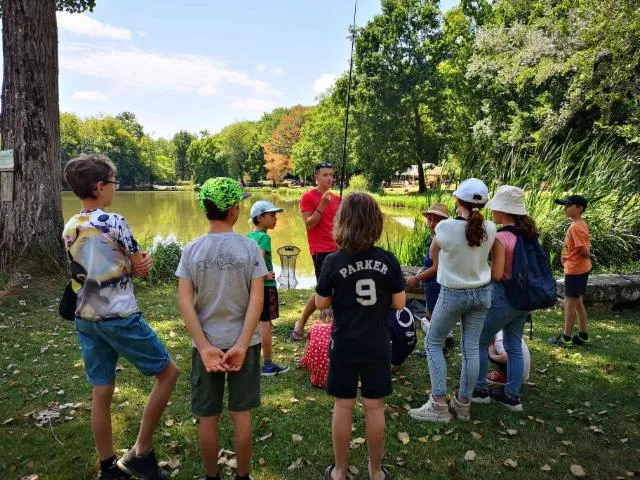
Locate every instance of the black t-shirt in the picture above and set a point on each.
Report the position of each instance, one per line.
(361, 287)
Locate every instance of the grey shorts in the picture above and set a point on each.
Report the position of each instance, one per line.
(207, 389)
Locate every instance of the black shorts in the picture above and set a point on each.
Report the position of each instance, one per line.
(318, 260)
(575, 285)
(375, 379)
(270, 308)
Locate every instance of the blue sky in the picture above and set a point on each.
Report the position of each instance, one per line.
(202, 64)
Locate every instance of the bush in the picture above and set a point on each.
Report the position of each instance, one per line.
(166, 253)
(358, 183)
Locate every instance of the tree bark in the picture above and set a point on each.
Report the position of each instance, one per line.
(31, 225)
(419, 139)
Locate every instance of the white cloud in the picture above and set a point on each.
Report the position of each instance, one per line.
(253, 104)
(84, 25)
(154, 71)
(90, 96)
(324, 82)
(261, 67)
(207, 90)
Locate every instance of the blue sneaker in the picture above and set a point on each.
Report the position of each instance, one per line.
(272, 369)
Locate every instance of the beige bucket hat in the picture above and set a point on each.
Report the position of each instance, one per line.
(509, 200)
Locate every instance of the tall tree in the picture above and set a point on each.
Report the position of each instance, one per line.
(321, 138)
(31, 224)
(277, 152)
(396, 96)
(181, 142)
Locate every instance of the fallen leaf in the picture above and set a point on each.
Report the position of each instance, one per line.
(423, 439)
(7, 421)
(359, 440)
(173, 463)
(560, 430)
(476, 436)
(262, 462)
(545, 468)
(512, 432)
(596, 429)
(577, 471)
(354, 470)
(403, 437)
(470, 456)
(436, 438)
(295, 438)
(510, 463)
(624, 440)
(295, 465)
(169, 422)
(294, 400)
(567, 442)
(265, 437)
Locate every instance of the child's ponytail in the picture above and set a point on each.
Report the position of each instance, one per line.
(474, 230)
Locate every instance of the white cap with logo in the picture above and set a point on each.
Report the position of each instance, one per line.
(263, 206)
(472, 190)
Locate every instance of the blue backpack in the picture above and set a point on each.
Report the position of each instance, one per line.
(532, 285)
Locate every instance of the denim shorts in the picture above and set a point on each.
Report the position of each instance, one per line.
(103, 341)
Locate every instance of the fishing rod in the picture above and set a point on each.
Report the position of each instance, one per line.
(346, 115)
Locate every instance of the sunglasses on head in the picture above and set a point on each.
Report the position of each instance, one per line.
(323, 165)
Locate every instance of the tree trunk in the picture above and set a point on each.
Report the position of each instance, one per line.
(419, 139)
(31, 225)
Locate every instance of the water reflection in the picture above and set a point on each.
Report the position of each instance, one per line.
(178, 214)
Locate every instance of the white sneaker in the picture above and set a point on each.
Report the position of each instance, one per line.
(463, 410)
(431, 412)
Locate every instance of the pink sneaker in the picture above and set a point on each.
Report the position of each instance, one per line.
(497, 377)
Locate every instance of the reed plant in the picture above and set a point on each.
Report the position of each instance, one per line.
(409, 249)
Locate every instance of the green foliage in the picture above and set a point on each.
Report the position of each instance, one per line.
(166, 253)
(181, 142)
(410, 248)
(204, 156)
(239, 147)
(321, 138)
(76, 6)
(358, 183)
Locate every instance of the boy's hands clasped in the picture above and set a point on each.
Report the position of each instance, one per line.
(217, 361)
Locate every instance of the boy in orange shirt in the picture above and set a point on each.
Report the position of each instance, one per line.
(577, 265)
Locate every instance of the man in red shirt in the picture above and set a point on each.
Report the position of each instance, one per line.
(318, 207)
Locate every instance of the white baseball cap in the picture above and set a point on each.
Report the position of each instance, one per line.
(509, 200)
(263, 206)
(472, 190)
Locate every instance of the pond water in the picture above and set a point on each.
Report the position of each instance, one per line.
(178, 214)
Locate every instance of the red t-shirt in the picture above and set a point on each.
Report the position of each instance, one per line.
(320, 237)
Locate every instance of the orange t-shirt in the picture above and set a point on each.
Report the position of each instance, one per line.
(577, 236)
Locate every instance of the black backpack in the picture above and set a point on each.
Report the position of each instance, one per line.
(532, 285)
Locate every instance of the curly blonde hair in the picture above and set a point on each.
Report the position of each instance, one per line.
(358, 223)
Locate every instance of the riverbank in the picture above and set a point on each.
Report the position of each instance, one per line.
(580, 404)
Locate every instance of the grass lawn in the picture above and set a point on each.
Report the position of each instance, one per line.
(581, 406)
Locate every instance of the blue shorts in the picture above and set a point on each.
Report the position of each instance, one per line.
(104, 341)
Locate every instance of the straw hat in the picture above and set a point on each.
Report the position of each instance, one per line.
(508, 199)
(438, 209)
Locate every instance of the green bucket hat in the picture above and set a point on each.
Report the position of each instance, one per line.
(224, 192)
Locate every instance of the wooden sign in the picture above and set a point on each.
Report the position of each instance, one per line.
(7, 167)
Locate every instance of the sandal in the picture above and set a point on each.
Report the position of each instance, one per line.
(327, 472)
(387, 473)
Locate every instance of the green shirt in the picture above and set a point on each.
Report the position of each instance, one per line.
(263, 240)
